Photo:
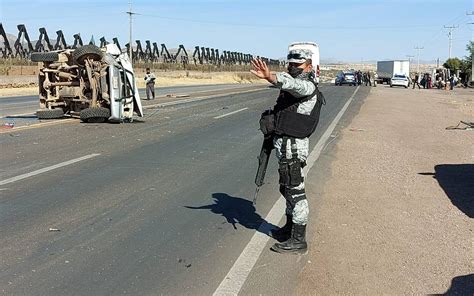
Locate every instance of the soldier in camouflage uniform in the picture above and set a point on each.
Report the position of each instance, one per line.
(299, 84)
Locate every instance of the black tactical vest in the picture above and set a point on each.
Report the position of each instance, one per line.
(288, 122)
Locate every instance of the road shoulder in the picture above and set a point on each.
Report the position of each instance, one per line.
(394, 215)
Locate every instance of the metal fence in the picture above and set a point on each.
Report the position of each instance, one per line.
(152, 53)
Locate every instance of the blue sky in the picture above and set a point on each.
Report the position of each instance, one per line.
(346, 30)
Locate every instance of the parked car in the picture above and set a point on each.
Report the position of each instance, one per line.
(400, 80)
(345, 77)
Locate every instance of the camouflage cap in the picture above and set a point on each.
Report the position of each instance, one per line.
(298, 56)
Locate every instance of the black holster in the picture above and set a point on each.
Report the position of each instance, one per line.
(267, 122)
(290, 169)
(290, 172)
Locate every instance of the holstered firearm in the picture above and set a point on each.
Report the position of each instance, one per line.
(267, 148)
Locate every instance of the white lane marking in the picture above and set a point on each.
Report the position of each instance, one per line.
(15, 115)
(237, 275)
(196, 99)
(20, 103)
(230, 113)
(47, 169)
(37, 125)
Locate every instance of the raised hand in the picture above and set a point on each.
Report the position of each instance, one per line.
(260, 69)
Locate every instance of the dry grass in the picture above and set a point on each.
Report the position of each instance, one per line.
(27, 85)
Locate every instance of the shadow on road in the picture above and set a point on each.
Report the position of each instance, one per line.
(237, 210)
(461, 285)
(457, 181)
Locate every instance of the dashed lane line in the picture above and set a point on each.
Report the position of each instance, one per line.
(37, 125)
(172, 103)
(230, 113)
(47, 169)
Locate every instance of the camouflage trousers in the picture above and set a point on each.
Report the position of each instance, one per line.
(296, 202)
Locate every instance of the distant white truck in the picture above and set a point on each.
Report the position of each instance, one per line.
(314, 48)
(387, 69)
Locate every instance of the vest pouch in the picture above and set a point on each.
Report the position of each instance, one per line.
(298, 125)
(267, 122)
(284, 172)
(295, 172)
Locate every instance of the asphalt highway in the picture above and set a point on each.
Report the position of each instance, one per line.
(160, 206)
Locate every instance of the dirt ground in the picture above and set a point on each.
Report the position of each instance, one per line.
(396, 213)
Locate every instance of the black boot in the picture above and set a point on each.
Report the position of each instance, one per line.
(284, 233)
(296, 244)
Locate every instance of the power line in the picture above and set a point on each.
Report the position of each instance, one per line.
(288, 26)
(130, 13)
(418, 57)
(432, 38)
(409, 60)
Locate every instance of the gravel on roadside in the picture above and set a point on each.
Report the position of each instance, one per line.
(396, 213)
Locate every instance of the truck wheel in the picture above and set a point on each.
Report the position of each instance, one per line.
(50, 113)
(87, 51)
(95, 115)
(44, 57)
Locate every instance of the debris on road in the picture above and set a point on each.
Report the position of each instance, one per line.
(8, 125)
(51, 229)
(177, 96)
(469, 126)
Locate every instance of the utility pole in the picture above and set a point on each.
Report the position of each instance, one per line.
(418, 57)
(130, 14)
(409, 60)
(450, 36)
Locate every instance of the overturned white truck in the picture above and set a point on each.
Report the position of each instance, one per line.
(95, 84)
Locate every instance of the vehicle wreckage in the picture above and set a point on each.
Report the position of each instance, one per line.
(92, 83)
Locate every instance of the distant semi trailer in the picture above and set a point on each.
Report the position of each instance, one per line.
(387, 69)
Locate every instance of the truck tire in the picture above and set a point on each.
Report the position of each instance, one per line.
(95, 115)
(50, 113)
(44, 57)
(87, 51)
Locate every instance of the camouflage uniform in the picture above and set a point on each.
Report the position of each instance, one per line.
(298, 88)
(293, 154)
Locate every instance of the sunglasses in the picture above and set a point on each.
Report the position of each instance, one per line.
(295, 56)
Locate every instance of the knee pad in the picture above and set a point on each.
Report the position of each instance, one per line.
(292, 196)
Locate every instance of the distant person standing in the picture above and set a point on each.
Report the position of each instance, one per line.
(359, 77)
(367, 76)
(451, 82)
(150, 84)
(415, 81)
